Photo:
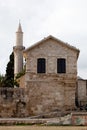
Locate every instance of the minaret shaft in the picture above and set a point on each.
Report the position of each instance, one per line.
(19, 39)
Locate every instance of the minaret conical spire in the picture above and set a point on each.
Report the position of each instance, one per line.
(19, 27)
(19, 36)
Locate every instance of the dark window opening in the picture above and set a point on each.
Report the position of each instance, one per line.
(41, 65)
(61, 65)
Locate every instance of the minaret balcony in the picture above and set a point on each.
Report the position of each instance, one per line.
(18, 48)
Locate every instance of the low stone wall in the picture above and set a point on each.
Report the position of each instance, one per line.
(73, 119)
(20, 102)
(79, 118)
(47, 121)
(13, 102)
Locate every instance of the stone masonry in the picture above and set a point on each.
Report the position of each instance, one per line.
(82, 92)
(13, 102)
(51, 91)
(47, 92)
(41, 93)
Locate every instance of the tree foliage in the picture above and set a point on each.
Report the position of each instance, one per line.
(10, 67)
(9, 77)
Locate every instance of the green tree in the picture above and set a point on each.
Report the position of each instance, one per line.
(9, 77)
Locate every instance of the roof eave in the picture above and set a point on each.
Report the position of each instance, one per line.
(50, 36)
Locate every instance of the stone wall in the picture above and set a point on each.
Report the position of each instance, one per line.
(50, 96)
(82, 92)
(13, 102)
(20, 102)
(79, 118)
(51, 91)
(51, 50)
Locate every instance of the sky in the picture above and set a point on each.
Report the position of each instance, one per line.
(64, 19)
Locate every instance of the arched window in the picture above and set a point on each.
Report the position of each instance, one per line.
(61, 65)
(41, 65)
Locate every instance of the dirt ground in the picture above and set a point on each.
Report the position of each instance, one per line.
(42, 128)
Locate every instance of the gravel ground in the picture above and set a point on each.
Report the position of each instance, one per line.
(42, 128)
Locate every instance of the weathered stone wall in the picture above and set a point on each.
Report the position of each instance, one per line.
(52, 50)
(13, 102)
(79, 118)
(51, 91)
(82, 92)
(20, 102)
(50, 96)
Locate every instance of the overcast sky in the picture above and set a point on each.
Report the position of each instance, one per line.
(64, 19)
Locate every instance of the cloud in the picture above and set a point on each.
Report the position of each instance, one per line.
(65, 19)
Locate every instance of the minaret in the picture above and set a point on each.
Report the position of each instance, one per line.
(18, 51)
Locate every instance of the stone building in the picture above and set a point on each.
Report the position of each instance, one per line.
(50, 79)
(51, 74)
